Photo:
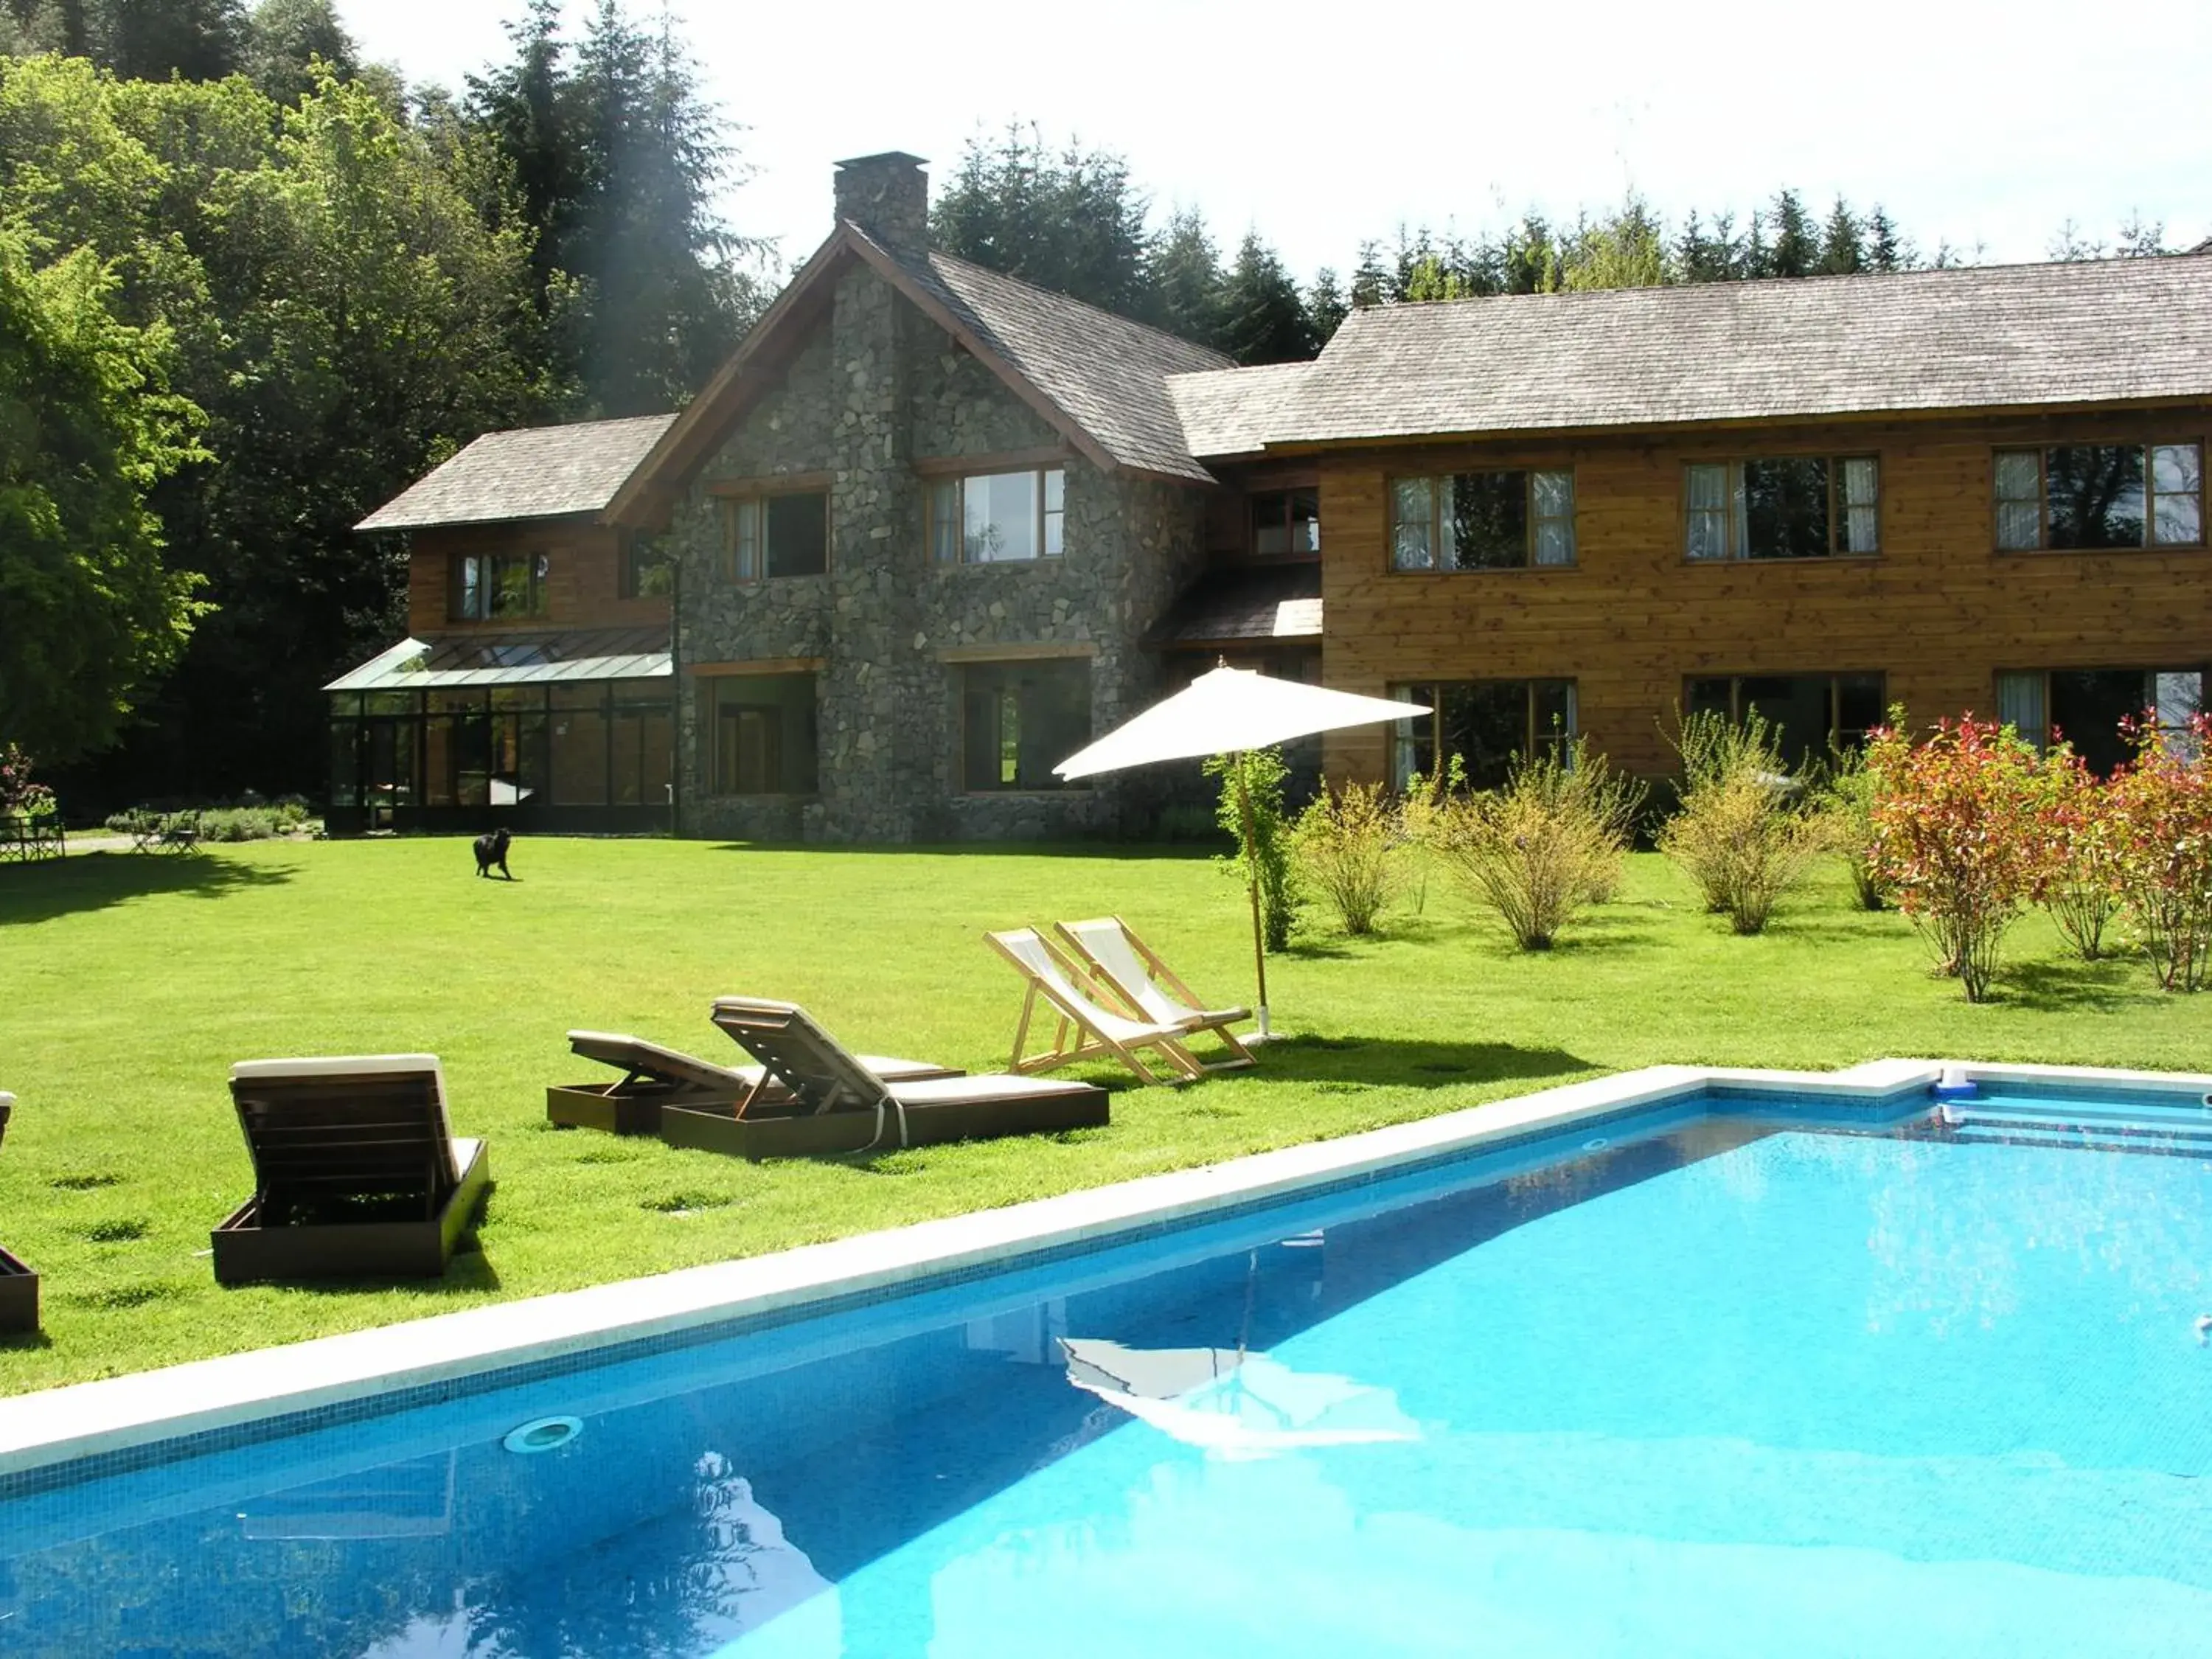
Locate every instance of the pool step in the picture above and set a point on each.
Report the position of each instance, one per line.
(2085, 1129)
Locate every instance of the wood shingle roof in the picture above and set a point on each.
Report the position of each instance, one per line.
(530, 472)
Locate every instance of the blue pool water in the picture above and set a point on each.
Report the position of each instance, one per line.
(1729, 1383)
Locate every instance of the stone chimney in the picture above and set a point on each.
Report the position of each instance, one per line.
(888, 197)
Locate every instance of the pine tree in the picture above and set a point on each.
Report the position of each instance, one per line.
(1794, 252)
(1263, 320)
(1070, 222)
(1326, 308)
(1370, 282)
(1886, 250)
(1843, 244)
(1187, 280)
(284, 38)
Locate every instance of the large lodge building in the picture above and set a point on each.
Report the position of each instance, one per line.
(932, 529)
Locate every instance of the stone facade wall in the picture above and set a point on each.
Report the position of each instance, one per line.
(880, 387)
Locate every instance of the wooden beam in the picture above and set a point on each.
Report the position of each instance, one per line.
(1040, 651)
(1008, 461)
(757, 666)
(771, 484)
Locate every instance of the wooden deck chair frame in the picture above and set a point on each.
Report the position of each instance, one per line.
(345, 1128)
(1084, 1028)
(1195, 1017)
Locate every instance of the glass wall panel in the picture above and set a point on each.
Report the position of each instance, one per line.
(580, 736)
(345, 762)
(1019, 719)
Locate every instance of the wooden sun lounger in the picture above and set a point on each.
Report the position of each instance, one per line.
(655, 1076)
(839, 1103)
(1134, 971)
(356, 1171)
(19, 1286)
(1085, 1029)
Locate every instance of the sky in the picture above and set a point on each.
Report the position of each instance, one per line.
(1987, 125)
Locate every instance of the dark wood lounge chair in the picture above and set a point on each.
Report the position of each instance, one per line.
(19, 1286)
(834, 1102)
(356, 1171)
(654, 1076)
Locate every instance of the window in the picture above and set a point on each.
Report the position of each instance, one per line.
(1791, 507)
(649, 569)
(764, 734)
(1286, 524)
(2084, 707)
(2093, 495)
(1019, 719)
(998, 518)
(494, 586)
(1809, 712)
(786, 535)
(1482, 521)
(1484, 722)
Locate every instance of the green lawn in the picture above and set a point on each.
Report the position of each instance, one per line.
(128, 983)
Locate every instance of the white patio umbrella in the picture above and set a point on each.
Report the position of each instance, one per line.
(1227, 711)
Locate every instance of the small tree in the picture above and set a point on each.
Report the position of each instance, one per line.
(2081, 847)
(1846, 795)
(1745, 833)
(1544, 846)
(1955, 827)
(2162, 815)
(1350, 847)
(1261, 773)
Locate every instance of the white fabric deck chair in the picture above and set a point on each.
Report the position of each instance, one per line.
(1085, 1029)
(1134, 971)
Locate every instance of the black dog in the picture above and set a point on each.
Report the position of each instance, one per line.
(492, 849)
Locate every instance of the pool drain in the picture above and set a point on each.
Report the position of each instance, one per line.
(546, 1434)
(1596, 1145)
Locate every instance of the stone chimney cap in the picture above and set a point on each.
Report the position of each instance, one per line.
(883, 156)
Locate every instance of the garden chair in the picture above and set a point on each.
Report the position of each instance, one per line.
(654, 1076)
(1084, 1028)
(356, 1171)
(19, 1286)
(836, 1103)
(1134, 972)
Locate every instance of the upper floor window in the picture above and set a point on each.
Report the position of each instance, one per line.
(1793, 507)
(488, 586)
(1285, 524)
(2092, 496)
(648, 571)
(998, 518)
(1810, 713)
(785, 534)
(1482, 520)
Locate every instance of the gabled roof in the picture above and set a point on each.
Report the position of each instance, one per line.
(533, 472)
(1097, 379)
(1232, 411)
(2115, 331)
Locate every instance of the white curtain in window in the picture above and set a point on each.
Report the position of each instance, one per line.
(2019, 499)
(1413, 521)
(1706, 489)
(1554, 495)
(1862, 484)
(2176, 495)
(2177, 697)
(2021, 706)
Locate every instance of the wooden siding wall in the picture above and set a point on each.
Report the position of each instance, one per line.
(1938, 612)
(583, 578)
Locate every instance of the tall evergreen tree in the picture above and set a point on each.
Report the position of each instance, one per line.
(1371, 281)
(1794, 251)
(1263, 318)
(1886, 251)
(1842, 242)
(1072, 221)
(1187, 280)
(283, 40)
(1326, 308)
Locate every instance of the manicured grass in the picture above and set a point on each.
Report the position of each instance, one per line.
(128, 984)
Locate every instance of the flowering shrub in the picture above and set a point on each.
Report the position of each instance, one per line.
(1745, 833)
(2082, 845)
(20, 797)
(1351, 847)
(1548, 843)
(1846, 794)
(1956, 821)
(2161, 817)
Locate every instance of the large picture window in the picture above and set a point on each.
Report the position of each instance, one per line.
(780, 535)
(1485, 723)
(495, 586)
(2100, 496)
(764, 734)
(1019, 719)
(998, 518)
(1483, 520)
(1810, 713)
(1797, 507)
(2086, 707)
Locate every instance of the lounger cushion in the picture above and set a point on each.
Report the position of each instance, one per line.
(641, 1055)
(985, 1087)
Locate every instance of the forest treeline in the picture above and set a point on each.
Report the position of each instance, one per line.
(252, 286)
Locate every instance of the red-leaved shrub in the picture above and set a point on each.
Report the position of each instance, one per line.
(2161, 811)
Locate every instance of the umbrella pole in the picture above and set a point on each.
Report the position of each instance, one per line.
(1252, 883)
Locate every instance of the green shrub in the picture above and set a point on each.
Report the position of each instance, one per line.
(1350, 848)
(1280, 896)
(1846, 795)
(1544, 846)
(1746, 833)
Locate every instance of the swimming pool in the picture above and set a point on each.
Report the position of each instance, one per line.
(1735, 1373)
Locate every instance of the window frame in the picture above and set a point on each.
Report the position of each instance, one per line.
(537, 601)
(754, 502)
(1835, 678)
(2041, 739)
(1286, 499)
(1405, 734)
(640, 554)
(1733, 510)
(2150, 543)
(937, 486)
(724, 697)
(961, 691)
(1439, 488)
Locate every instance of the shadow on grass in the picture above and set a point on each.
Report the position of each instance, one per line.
(94, 881)
(1138, 851)
(2108, 987)
(1395, 1062)
(469, 1272)
(25, 1342)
